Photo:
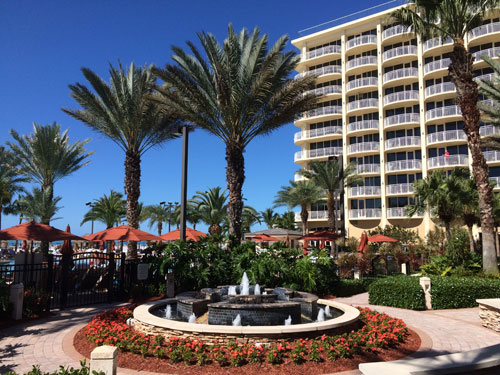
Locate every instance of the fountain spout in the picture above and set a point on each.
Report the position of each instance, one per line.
(237, 320)
(245, 285)
(192, 318)
(288, 321)
(256, 290)
(168, 312)
(321, 315)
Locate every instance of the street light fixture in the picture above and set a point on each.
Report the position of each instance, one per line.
(91, 205)
(185, 136)
(168, 206)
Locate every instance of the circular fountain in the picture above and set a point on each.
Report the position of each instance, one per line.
(247, 313)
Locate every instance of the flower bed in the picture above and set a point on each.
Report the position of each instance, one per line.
(379, 331)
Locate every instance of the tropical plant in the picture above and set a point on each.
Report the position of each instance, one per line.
(242, 91)
(109, 210)
(469, 206)
(122, 112)
(40, 205)
(269, 217)
(212, 207)
(10, 182)
(302, 194)
(332, 177)
(286, 221)
(454, 19)
(156, 215)
(250, 216)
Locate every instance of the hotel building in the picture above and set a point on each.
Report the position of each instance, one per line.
(387, 104)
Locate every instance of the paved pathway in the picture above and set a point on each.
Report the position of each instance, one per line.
(48, 342)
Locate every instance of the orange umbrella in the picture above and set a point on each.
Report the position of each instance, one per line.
(264, 238)
(381, 238)
(31, 231)
(363, 243)
(66, 247)
(191, 234)
(122, 233)
(287, 243)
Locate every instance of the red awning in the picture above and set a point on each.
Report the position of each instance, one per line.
(321, 235)
(191, 234)
(264, 238)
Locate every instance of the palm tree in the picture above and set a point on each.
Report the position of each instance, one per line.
(10, 182)
(491, 113)
(469, 206)
(302, 194)
(212, 207)
(269, 217)
(242, 91)
(157, 215)
(122, 112)
(250, 216)
(40, 205)
(286, 221)
(330, 176)
(109, 210)
(455, 19)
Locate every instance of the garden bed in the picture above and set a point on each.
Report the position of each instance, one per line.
(381, 339)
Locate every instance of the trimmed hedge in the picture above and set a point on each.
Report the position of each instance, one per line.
(397, 291)
(350, 287)
(462, 292)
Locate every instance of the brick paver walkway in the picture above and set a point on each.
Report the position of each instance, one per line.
(48, 342)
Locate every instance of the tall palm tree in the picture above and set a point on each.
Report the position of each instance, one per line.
(269, 217)
(40, 205)
(330, 176)
(157, 215)
(242, 90)
(302, 194)
(212, 206)
(109, 210)
(469, 206)
(491, 113)
(286, 221)
(10, 182)
(455, 19)
(122, 112)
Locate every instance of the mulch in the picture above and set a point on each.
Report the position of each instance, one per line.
(137, 362)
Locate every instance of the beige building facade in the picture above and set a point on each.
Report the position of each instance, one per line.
(388, 105)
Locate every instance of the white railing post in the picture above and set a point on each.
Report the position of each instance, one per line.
(425, 283)
(103, 359)
(16, 298)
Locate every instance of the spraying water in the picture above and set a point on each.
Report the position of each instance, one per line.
(245, 285)
(264, 293)
(328, 313)
(237, 320)
(321, 315)
(288, 321)
(168, 312)
(257, 289)
(192, 318)
(232, 290)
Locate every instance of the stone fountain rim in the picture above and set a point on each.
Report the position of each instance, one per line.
(143, 314)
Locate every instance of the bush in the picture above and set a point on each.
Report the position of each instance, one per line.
(84, 370)
(398, 291)
(348, 287)
(462, 292)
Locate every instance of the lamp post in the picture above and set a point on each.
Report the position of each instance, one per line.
(185, 135)
(91, 205)
(168, 206)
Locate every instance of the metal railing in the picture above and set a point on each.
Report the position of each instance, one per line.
(446, 161)
(363, 60)
(362, 103)
(400, 212)
(437, 65)
(298, 177)
(401, 73)
(319, 152)
(400, 96)
(439, 88)
(362, 125)
(496, 180)
(328, 110)
(394, 30)
(329, 69)
(368, 168)
(399, 189)
(359, 191)
(323, 51)
(489, 28)
(363, 147)
(449, 110)
(492, 156)
(436, 42)
(485, 77)
(327, 130)
(368, 213)
(403, 118)
(315, 215)
(403, 165)
(446, 136)
(361, 40)
(487, 130)
(362, 82)
(399, 51)
(402, 142)
(490, 52)
(332, 89)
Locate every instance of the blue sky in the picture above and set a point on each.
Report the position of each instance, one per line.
(43, 45)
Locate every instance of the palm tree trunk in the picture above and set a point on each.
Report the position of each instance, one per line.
(472, 244)
(304, 215)
(160, 227)
(447, 229)
(44, 246)
(235, 176)
(133, 191)
(467, 94)
(497, 242)
(332, 214)
(0, 217)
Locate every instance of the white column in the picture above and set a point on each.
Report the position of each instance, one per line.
(383, 222)
(103, 359)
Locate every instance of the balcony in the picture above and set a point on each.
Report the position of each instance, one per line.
(362, 104)
(446, 111)
(489, 28)
(404, 73)
(410, 95)
(399, 189)
(490, 52)
(368, 168)
(369, 214)
(394, 31)
(361, 40)
(298, 177)
(440, 88)
(363, 147)
(496, 180)
(487, 130)
(326, 90)
(362, 83)
(399, 52)
(323, 51)
(361, 61)
(402, 119)
(362, 125)
(400, 213)
(330, 69)
(458, 160)
(364, 191)
(436, 42)
(318, 215)
(313, 133)
(402, 142)
(446, 136)
(318, 153)
(484, 77)
(492, 156)
(403, 165)
(323, 111)
(434, 66)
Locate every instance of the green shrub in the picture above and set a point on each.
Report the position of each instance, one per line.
(398, 291)
(350, 287)
(462, 292)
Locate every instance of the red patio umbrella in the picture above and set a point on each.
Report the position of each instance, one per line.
(363, 243)
(321, 235)
(122, 233)
(191, 234)
(381, 238)
(31, 231)
(264, 238)
(66, 247)
(287, 242)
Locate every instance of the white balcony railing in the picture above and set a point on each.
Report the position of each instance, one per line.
(437, 65)
(362, 125)
(400, 73)
(403, 118)
(447, 161)
(399, 51)
(368, 168)
(492, 156)
(317, 153)
(363, 147)
(321, 111)
(490, 52)
(330, 69)
(446, 111)
(487, 130)
(489, 28)
(298, 177)
(363, 60)
(440, 88)
(446, 136)
(327, 130)
(363, 191)
(401, 96)
(332, 89)
(362, 103)
(401, 142)
(323, 51)
(361, 40)
(315, 215)
(399, 189)
(403, 165)
(485, 77)
(369, 213)
(399, 213)
(393, 31)
(496, 180)
(436, 42)
(362, 82)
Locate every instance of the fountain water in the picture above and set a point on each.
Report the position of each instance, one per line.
(321, 315)
(328, 312)
(168, 312)
(245, 285)
(288, 321)
(237, 320)
(232, 290)
(264, 293)
(256, 290)
(192, 318)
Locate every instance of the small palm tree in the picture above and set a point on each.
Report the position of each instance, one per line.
(243, 91)
(40, 206)
(10, 182)
(109, 210)
(331, 177)
(212, 207)
(122, 112)
(157, 215)
(286, 221)
(299, 194)
(250, 217)
(469, 204)
(269, 217)
(454, 19)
